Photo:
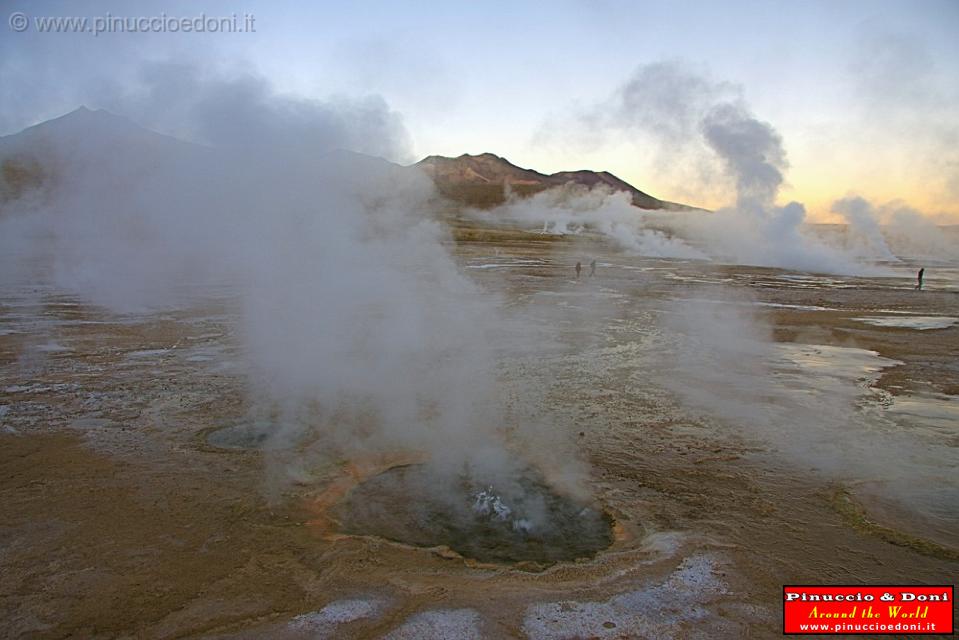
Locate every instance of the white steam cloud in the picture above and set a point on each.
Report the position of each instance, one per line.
(866, 234)
(360, 332)
(572, 209)
(687, 115)
(892, 231)
(751, 150)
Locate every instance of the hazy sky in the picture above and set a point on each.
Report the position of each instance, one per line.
(864, 94)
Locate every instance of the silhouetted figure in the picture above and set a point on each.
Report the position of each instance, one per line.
(922, 272)
(579, 268)
(592, 268)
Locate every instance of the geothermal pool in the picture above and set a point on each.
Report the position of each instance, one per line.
(525, 521)
(726, 429)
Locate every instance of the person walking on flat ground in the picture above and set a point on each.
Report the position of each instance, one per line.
(922, 272)
(592, 268)
(579, 267)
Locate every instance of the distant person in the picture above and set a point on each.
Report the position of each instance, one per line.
(579, 267)
(922, 272)
(592, 268)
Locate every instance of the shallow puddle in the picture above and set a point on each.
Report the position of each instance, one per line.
(921, 323)
(938, 413)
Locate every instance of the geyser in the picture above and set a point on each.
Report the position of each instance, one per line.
(520, 520)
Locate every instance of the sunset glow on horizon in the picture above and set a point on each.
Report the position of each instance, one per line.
(863, 94)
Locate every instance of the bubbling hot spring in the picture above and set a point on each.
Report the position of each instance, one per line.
(519, 520)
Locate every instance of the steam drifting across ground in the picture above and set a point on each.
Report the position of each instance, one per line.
(815, 403)
(361, 334)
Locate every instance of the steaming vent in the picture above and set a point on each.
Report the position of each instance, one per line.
(519, 520)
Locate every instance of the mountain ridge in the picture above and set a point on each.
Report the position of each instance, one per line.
(484, 179)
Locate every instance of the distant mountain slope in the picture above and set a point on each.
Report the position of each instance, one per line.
(480, 181)
(38, 156)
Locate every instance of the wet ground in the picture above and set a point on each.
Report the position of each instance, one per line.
(744, 427)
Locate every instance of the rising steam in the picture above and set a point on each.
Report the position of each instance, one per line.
(360, 333)
(692, 121)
